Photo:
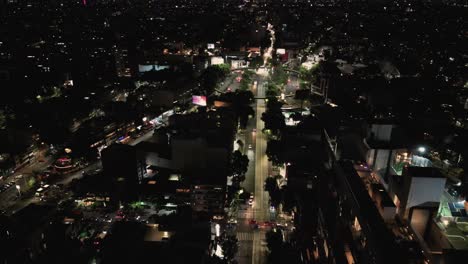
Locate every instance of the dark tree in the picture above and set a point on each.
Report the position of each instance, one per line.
(211, 76)
(240, 143)
(275, 152)
(287, 199)
(240, 102)
(272, 90)
(239, 165)
(279, 76)
(229, 246)
(14, 141)
(256, 62)
(53, 119)
(280, 251)
(244, 114)
(274, 121)
(81, 143)
(120, 112)
(308, 75)
(274, 239)
(271, 186)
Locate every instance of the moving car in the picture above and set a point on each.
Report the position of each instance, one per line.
(251, 200)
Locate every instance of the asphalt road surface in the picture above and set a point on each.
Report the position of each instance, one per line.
(252, 245)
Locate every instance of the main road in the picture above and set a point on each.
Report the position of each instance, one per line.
(251, 240)
(261, 208)
(252, 249)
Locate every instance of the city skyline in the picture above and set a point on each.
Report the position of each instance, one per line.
(249, 132)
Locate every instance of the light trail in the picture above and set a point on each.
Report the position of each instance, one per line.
(268, 52)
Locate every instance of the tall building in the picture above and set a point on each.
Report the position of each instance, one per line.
(365, 218)
(122, 63)
(123, 171)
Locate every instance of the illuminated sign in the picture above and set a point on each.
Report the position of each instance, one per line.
(280, 51)
(199, 100)
(221, 104)
(151, 67)
(211, 46)
(217, 60)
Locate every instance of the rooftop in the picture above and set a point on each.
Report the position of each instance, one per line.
(153, 234)
(424, 172)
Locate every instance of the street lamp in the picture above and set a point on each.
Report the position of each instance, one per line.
(422, 150)
(18, 187)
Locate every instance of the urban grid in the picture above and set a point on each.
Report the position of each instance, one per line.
(233, 132)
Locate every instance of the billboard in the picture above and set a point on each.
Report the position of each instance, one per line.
(211, 46)
(150, 67)
(280, 51)
(217, 60)
(199, 100)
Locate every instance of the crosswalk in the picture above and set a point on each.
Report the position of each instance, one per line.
(245, 214)
(244, 236)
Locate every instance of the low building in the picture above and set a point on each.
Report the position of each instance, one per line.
(26, 233)
(417, 185)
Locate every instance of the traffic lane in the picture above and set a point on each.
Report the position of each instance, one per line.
(67, 179)
(250, 174)
(261, 163)
(259, 249)
(230, 82)
(261, 196)
(233, 86)
(243, 229)
(244, 254)
(37, 165)
(144, 137)
(18, 188)
(261, 205)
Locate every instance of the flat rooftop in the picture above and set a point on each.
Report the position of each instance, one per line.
(153, 234)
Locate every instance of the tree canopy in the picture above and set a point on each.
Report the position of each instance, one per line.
(273, 117)
(239, 165)
(212, 76)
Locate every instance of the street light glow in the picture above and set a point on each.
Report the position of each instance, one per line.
(217, 228)
(422, 150)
